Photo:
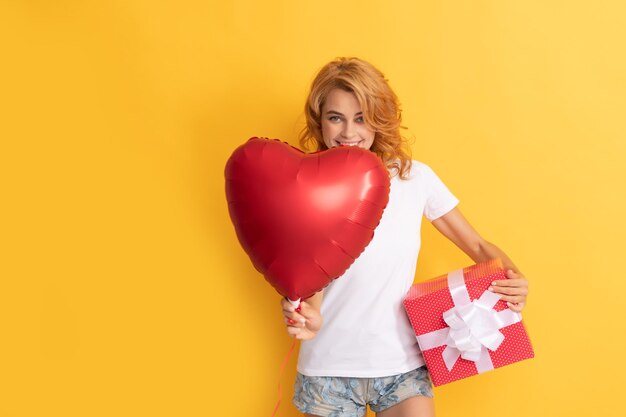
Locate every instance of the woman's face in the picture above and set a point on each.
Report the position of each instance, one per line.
(343, 123)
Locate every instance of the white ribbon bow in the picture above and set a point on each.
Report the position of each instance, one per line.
(473, 326)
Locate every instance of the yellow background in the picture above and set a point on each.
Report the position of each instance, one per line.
(123, 289)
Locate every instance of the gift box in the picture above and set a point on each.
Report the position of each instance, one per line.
(462, 328)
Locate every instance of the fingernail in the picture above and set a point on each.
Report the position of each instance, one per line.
(494, 283)
(302, 320)
(291, 321)
(490, 289)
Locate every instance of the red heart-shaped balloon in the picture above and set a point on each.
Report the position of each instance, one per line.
(304, 218)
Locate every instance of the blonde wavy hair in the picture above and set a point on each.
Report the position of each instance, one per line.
(379, 104)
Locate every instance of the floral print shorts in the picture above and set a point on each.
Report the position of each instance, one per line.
(348, 397)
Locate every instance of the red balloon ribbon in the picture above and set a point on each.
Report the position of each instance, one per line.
(280, 375)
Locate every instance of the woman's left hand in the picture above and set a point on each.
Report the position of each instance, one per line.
(514, 290)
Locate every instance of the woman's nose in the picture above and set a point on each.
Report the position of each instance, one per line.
(348, 130)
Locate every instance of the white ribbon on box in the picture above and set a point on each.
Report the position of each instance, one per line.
(473, 326)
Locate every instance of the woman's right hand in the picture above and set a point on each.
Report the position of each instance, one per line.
(305, 324)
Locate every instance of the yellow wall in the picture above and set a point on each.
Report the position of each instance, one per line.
(123, 290)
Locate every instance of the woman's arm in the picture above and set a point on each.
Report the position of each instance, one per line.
(455, 227)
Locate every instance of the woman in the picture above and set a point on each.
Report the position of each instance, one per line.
(358, 346)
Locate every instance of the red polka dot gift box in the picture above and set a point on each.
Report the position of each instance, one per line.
(462, 328)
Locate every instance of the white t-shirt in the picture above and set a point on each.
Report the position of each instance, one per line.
(366, 332)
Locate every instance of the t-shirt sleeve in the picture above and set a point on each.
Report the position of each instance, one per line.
(439, 199)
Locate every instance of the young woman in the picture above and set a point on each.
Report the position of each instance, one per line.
(358, 347)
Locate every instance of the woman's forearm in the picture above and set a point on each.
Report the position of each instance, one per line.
(488, 251)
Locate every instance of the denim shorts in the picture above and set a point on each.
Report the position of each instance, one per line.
(348, 397)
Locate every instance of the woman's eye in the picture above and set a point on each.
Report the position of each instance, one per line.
(333, 118)
(360, 120)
